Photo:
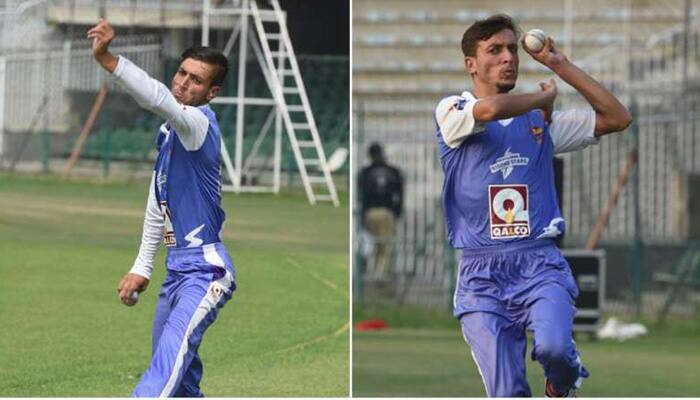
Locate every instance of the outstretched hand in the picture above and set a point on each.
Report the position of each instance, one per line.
(550, 56)
(102, 35)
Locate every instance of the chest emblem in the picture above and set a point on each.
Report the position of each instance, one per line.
(537, 132)
(507, 162)
(508, 206)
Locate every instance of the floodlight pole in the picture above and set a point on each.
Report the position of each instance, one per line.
(2, 103)
(686, 39)
(205, 22)
(242, 55)
(568, 27)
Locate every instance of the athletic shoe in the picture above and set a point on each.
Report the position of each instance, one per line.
(550, 392)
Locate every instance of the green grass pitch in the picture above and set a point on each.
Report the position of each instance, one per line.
(412, 362)
(65, 245)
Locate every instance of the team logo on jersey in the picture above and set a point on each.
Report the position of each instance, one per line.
(192, 239)
(458, 104)
(508, 206)
(537, 133)
(552, 230)
(507, 162)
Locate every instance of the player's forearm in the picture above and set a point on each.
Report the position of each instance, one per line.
(143, 264)
(107, 60)
(611, 115)
(503, 106)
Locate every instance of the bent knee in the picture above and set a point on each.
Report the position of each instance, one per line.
(554, 349)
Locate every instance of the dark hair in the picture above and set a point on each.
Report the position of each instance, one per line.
(484, 29)
(376, 151)
(210, 56)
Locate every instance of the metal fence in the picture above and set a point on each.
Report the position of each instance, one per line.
(423, 264)
(44, 93)
(667, 137)
(38, 81)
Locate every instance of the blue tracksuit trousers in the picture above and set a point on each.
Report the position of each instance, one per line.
(199, 281)
(503, 292)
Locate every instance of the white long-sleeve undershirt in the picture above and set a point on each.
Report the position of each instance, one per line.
(151, 236)
(191, 126)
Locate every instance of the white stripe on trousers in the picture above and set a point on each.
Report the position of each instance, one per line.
(483, 380)
(205, 306)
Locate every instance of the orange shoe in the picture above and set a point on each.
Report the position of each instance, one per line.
(550, 392)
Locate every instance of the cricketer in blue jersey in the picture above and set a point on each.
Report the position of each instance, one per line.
(501, 208)
(183, 209)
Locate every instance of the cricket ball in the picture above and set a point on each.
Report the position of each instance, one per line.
(534, 40)
(134, 298)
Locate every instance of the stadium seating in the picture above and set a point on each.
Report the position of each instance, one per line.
(407, 55)
(414, 47)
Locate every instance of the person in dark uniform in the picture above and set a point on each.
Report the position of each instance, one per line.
(381, 197)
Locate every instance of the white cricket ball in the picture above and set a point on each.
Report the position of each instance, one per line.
(534, 40)
(134, 298)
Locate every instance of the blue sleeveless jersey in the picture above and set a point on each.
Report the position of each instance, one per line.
(188, 187)
(499, 184)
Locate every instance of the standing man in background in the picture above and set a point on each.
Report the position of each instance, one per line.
(381, 197)
(184, 208)
(501, 208)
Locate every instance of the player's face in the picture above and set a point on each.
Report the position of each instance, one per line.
(192, 83)
(496, 62)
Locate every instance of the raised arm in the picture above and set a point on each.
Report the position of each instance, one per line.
(501, 106)
(190, 123)
(458, 117)
(611, 115)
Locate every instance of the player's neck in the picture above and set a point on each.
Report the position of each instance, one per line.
(482, 89)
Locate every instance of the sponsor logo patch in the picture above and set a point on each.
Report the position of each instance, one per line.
(507, 162)
(168, 232)
(508, 206)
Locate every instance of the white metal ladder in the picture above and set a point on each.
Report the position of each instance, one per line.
(290, 95)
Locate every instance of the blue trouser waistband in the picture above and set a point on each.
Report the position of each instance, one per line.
(507, 247)
(211, 257)
(185, 251)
